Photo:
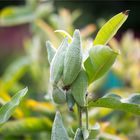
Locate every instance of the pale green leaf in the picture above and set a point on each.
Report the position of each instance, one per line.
(110, 28)
(70, 100)
(85, 133)
(58, 130)
(50, 50)
(130, 104)
(73, 59)
(100, 60)
(79, 88)
(16, 15)
(94, 131)
(78, 135)
(57, 63)
(7, 109)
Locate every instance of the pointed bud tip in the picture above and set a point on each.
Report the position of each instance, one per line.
(57, 113)
(126, 12)
(25, 89)
(77, 32)
(76, 35)
(48, 42)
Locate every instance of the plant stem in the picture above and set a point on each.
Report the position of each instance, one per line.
(87, 123)
(80, 116)
(86, 111)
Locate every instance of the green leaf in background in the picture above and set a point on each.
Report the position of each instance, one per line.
(26, 126)
(14, 72)
(58, 130)
(11, 16)
(7, 109)
(16, 15)
(130, 104)
(110, 28)
(101, 59)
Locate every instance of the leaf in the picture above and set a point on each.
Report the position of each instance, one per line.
(85, 133)
(14, 72)
(70, 100)
(110, 28)
(11, 16)
(130, 104)
(50, 50)
(79, 88)
(64, 34)
(58, 95)
(94, 131)
(56, 71)
(16, 15)
(78, 135)
(7, 109)
(73, 59)
(91, 134)
(26, 126)
(58, 130)
(108, 136)
(100, 60)
(104, 35)
(44, 108)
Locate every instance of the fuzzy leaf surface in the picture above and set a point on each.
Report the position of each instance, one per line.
(113, 101)
(58, 130)
(7, 109)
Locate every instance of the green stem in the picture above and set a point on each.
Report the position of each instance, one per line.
(80, 116)
(87, 123)
(86, 111)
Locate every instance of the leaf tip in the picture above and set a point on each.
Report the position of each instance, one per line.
(57, 116)
(77, 36)
(25, 89)
(48, 42)
(126, 12)
(76, 32)
(49, 45)
(58, 113)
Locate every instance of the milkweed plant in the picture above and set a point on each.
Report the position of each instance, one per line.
(70, 76)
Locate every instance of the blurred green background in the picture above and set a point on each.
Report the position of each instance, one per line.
(25, 26)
